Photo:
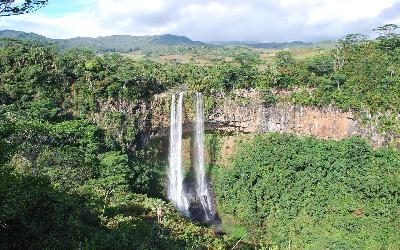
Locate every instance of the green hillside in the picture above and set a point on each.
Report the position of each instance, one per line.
(24, 36)
(126, 43)
(115, 43)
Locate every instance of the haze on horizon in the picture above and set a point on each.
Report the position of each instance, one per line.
(206, 20)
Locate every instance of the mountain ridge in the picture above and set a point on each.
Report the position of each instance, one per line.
(129, 43)
(117, 43)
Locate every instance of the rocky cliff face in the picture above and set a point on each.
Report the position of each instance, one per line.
(241, 112)
(245, 112)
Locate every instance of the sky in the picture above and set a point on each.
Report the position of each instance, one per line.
(209, 20)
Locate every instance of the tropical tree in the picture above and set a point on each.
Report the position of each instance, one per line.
(388, 36)
(113, 172)
(12, 7)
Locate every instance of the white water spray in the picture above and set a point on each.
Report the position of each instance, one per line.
(175, 188)
(201, 179)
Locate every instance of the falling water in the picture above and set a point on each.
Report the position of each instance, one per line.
(175, 188)
(201, 179)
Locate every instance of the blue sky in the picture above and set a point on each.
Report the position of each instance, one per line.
(60, 7)
(209, 20)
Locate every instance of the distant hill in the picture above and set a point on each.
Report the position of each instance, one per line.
(274, 45)
(127, 43)
(173, 39)
(280, 45)
(118, 43)
(232, 43)
(23, 36)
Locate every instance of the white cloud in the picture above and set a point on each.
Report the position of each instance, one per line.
(275, 20)
(69, 25)
(347, 10)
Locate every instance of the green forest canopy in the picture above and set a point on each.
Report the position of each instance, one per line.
(60, 168)
(313, 194)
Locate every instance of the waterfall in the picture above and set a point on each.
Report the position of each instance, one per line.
(201, 179)
(176, 192)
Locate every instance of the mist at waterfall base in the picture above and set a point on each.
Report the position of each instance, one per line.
(192, 198)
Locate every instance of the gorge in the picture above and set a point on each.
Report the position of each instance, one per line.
(276, 152)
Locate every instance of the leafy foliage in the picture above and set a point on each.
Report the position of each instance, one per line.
(74, 173)
(9, 7)
(359, 75)
(312, 193)
(34, 215)
(67, 182)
